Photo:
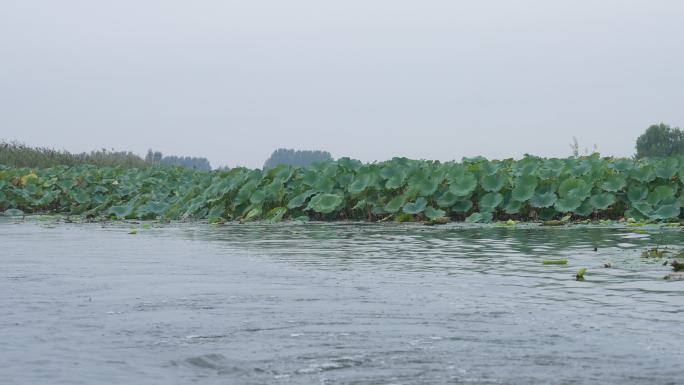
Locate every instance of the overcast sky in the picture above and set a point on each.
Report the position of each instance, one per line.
(433, 79)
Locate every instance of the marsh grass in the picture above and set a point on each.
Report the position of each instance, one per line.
(16, 154)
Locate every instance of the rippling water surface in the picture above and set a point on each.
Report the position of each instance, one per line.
(343, 303)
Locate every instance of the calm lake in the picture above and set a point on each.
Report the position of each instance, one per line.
(336, 303)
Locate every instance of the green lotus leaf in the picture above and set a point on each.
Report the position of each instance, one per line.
(614, 183)
(244, 193)
(659, 194)
(433, 213)
(214, 214)
(585, 209)
(276, 214)
(622, 165)
(252, 213)
(567, 204)
(395, 182)
(513, 207)
(644, 173)
(462, 206)
(349, 164)
(579, 186)
(121, 211)
(541, 200)
(490, 168)
(644, 208)
(667, 211)
(153, 207)
(494, 182)
(360, 184)
(527, 166)
(551, 168)
(424, 186)
(490, 201)
(299, 200)
(80, 196)
(310, 177)
(395, 204)
(361, 204)
(479, 217)
(602, 201)
(415, 207)
(344, 180)
(463, 186)
(13, 213)
(447, 199)
(257, 197)
(636, 193)
(580, 168)
(667, 168)
(524, 188)
(390, 172)
(325, 185)
(326, 203)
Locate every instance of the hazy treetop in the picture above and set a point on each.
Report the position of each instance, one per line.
(437, 79)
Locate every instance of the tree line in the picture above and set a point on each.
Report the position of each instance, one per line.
(157, 158)
(295, 157)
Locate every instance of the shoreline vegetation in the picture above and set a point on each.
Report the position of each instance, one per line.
(17, 154)
(475, 190)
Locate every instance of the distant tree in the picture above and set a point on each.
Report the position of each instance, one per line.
(158, 159)
(187, 162)
(660, 140)
(295, 157)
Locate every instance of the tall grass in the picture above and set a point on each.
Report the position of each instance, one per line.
(16, 154)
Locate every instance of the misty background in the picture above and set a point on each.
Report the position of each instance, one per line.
(234, 80)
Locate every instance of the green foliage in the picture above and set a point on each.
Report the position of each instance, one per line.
(660, 140)
(295, 158)
(15, 154)
(475, 190)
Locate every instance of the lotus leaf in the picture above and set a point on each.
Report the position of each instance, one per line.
(395, 204)
(257, 197)
(614, 183)
(416, 207)
(524, 188)
(513, 207)
(326, 203)
(276, 214)
(659, 194)
(463, 186)
(567, 204)
(541, 200)
(13, 213)
(252, 213)
(637, 193)
(490, 201)
(462, 206)
(667, 211)
(602, 201)
(493, 182)
(433, 213)
(644, 173)
(360, 184)
(667, 168)
(479, 217)
(298, 201)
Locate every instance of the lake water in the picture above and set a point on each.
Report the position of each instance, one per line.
(340, 303)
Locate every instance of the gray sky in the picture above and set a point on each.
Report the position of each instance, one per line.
(434, 79)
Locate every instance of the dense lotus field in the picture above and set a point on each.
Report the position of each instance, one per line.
(475, 190)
